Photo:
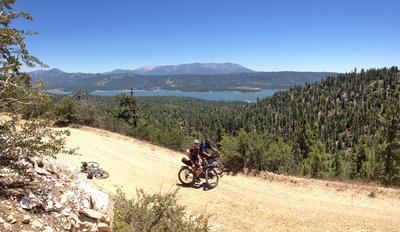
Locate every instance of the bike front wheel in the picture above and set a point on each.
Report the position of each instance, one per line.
(101, 174)
(186, 176)
(212, 178)
(220, 168)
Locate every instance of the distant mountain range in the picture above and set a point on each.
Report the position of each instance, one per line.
(195, 68)
(185, 77)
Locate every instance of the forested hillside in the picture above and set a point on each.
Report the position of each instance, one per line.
(343, 111)
(344, 127)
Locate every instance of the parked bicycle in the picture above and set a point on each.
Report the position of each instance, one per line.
(92, 168)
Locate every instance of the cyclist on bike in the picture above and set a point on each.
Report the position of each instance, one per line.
(194, 157)
(204, 149)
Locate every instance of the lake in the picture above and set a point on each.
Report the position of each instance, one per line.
(212, 96)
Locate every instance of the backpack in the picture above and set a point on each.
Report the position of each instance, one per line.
(201, 148)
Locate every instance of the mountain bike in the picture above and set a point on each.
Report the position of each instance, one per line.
(92, 168)
(187, 174)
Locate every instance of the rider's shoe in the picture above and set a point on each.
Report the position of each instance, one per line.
(197, 179)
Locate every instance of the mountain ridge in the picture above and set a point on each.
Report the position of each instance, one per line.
(190, 68)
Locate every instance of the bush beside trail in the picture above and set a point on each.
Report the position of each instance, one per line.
(155, 212)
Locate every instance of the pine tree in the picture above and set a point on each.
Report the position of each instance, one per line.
(390, 149)
(304, 139)
(128, 109)
(318, 163)
(20, 140)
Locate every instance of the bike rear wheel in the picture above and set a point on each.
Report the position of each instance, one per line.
(186, 176)
(212, 178)
(101, 174)
(93, 164)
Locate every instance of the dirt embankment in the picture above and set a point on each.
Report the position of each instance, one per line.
(266, 202)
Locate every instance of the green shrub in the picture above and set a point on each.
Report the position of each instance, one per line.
(318, 162)
(64, 111)
(154, 212)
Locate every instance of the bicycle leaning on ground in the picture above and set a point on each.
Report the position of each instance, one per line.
(92, 168)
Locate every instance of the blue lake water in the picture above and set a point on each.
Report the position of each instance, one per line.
(212, 96)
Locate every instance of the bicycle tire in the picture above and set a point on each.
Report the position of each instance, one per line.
(92, 164)
(101, 174)
(212, 178)
(186, 176)
(220, 168)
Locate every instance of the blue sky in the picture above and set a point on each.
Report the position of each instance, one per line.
(318, 35)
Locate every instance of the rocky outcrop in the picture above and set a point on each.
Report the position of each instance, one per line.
(56, 198)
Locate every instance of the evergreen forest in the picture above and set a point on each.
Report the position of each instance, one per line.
(343, 127)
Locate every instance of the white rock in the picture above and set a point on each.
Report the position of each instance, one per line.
(58, 205)
(100, 200)
(1, 220)
(49, 206)
(48, 229)
(74, 220)
(11, 219)
(68, 197)
(92, 214)
(103, 227)
(31, 196)
(85, 204)
(26, 219)
(41, 171)
(59, 184)
(66, 212)
(36, 224)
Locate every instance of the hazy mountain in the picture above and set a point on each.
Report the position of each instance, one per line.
(119, 71)
(187, 82)
(58, 78)
(196, 68)
(47, 73)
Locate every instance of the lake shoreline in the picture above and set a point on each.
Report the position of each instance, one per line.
(210, 96)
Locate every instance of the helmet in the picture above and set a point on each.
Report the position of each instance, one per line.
(208, 141)
(196, 141)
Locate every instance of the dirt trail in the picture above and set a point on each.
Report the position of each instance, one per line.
(239, 203)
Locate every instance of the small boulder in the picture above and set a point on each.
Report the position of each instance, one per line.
(48, 229)
(58, 206)
(92, 214)
(26, 219)
(103, 227)
(36, 224)
(69, 196)
(11, 219)
(25, 203)
(42, 171)
(31, 196)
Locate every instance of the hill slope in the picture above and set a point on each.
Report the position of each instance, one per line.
(343, 110)
(239, 203)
